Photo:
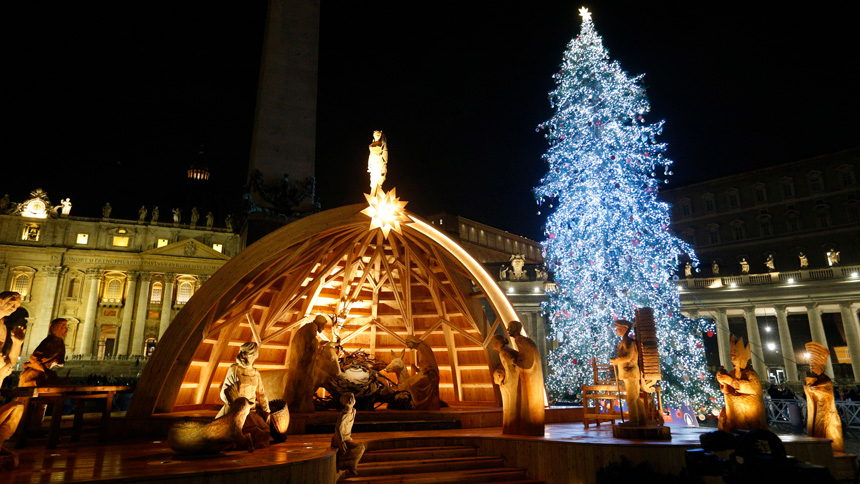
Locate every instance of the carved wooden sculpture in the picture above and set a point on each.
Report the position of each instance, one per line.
(215, 436)
(744, 408)
(11, 413)
(822, 419)
(532, 390)
(377, 161)
(50, 354)
(301, 378)
(243, 381)
(508, 380)
(627, 363)
(424, 385)
(349, 452)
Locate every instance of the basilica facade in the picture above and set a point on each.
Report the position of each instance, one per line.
(119, 283)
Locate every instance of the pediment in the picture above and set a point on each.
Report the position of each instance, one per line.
(187, 248)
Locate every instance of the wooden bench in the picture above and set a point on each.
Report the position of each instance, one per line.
(57, 395)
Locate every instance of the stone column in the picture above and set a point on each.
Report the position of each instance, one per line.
(785, 344)
(755, 343)
(4, 273)
(723, 340)
(141, 314)
(852, 334)
(61, 283)
(166, 303)
(816, 327)
(84, 344)
(42, 295)
(127, 310)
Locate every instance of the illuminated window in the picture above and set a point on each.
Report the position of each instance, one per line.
(83, 238)
(31, 232)
(21, 284)
(218, 247)
(184, 293)
(163, 242)
(120, 241)
(113, 291)
(157, 289)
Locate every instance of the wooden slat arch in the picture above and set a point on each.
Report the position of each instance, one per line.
(417, 282)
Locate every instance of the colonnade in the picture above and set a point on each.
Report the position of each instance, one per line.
(846, 309)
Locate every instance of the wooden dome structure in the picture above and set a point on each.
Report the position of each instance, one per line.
(414, 281)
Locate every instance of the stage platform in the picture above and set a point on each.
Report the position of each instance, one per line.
(567, 453)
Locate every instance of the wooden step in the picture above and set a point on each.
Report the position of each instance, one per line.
(409, 453)
(429, 465)
(468, 476)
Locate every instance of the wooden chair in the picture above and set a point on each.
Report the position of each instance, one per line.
(607, 388)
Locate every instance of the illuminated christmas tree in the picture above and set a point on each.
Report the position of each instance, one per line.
(608, 240)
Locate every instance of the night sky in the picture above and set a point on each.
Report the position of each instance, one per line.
(109, 102)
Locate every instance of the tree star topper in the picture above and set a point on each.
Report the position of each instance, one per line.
(385, 211)
(585, 14)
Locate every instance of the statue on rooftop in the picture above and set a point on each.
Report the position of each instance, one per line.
(106, 210)
(66, 206)
(210, 220)
(195, 216)
(177, 215)
(769, 263)
(832, 257)
(154, 215)
(804, 261)
(377, 162)
(745, 266)
(141, 214)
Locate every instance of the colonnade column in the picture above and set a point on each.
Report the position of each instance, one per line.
(755, 343)
(816, 328)
(852, 335)
(84, 344)
(785, 344)
(43, 293)
(127, 310)
(166, 303)
(140, 314)
(723, 344)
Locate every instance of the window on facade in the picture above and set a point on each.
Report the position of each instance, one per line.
(473, 234)
(816, 183)
(792, 222)
(760, 193)
(82, 239)
(21, 284)
(853, 211)
(710, 206)
(734, 198)
(714, 234)
(787, 188)
(686, 209)
(690, 236)
(120, 241)
(482, 237)
(113, 290)
(162, 242)
(74, 288)
(846, 175)
(157, 290)
(765, 226)
(738, 231)
(184, 292)
(822, 217)
(31, 232)
(218, 247)
(464, 233)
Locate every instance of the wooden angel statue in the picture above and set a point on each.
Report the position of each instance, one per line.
(627, 363)
(744, 408)
(243, 380)
(349, 452)
(533, 393)
(50, 354)
(377, 162)
(822, 419)
(508, 380)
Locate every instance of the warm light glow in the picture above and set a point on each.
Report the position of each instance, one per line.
(218, 247)
(854, 274)
(585, 14)
(771, 346)
(83, 238)
(806, 355)
(162, 242)
(734, 284)
(385, 211)
(791, 280)
(120, 241)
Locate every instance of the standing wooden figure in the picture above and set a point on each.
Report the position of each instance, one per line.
(424, 386)
(744, 408)
(822, 419)
(532, 390)
(304, 346)
(627, 363)
(508, 380)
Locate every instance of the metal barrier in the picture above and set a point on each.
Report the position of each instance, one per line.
(780, 411)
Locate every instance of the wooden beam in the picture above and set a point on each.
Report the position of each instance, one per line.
(456, 377)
